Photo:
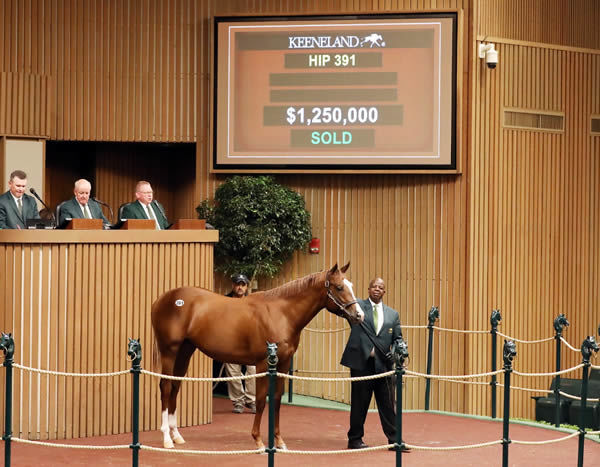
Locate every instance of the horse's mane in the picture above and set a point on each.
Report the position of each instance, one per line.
(294, 287)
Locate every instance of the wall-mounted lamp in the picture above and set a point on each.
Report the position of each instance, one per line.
(314, 246)
(490, 54)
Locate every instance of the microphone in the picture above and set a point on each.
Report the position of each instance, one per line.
(157, 204)
(34, 193)
(105, 204)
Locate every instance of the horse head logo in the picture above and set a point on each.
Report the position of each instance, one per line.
(495, 318)
(510, 352)
(7, 344)
(589, 345)
(134, 350)
(374, 40)
(559, 322)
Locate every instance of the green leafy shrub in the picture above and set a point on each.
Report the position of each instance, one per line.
(261, 223)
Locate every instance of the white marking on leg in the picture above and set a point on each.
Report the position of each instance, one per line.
(164, 427)
(175, 435)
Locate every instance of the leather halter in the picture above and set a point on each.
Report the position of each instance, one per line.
(342, 307)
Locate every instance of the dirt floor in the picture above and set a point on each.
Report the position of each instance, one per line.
(315, 429)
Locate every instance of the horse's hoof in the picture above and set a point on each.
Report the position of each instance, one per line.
(179, 440)
(168, 444)
(283, 447)
(261, 449)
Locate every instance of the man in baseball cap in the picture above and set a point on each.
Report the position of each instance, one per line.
(241, 396)
(239, 279)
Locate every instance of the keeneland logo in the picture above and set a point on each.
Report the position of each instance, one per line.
(335, 42)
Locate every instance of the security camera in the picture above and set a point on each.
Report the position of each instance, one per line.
(490, 54)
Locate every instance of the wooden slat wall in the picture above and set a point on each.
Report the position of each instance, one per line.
(557, 22)
(74, 310)
(535, 203)
(26, 104)
(121, 70)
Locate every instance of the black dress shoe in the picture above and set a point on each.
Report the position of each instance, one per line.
(358, 444)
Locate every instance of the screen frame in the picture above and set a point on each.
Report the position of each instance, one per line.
(337, 167)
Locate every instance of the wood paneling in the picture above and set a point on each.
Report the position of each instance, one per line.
(534, 199)
(118, 70)
(72, 300)
(26, 104)
(555, 22)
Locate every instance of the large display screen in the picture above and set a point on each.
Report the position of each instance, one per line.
(335, 93)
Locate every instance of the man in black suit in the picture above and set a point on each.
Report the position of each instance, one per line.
(364, 359)
(81, 206)
(16, 206)
(146, 207)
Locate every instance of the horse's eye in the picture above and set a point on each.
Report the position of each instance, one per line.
(340, 287)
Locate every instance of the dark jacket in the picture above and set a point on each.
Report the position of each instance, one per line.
(9, 214)
(358, 348)
(71, 210)
(136, 211)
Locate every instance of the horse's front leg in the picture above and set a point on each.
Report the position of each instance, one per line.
(262, 385)
(279, 443)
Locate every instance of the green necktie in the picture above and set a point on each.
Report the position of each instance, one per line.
(375, 316)
(20, 206)
(86, 209)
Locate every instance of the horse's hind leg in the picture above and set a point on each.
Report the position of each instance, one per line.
(181, 365)
(166, 386)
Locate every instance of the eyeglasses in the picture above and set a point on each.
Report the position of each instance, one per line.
(145, 192)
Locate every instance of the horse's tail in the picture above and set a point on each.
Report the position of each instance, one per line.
(156, 360)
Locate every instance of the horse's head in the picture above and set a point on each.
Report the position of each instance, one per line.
(341, 300)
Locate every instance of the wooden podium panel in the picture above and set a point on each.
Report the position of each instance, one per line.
(139, 224)
(71, 299)
(189, 224)
(84, 224)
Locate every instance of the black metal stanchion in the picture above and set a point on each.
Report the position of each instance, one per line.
(510, 352)
(434, 314)
(134, 351)
(400, 352)
(588, 345)
(7, 344)
(559, 322)
(272, 361)
(495, 318)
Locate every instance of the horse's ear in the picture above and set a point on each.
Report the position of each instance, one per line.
(345, 268)
(333, 269)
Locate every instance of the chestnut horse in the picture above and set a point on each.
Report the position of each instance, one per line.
(236, 330)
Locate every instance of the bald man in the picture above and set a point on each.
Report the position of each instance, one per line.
(81, 206)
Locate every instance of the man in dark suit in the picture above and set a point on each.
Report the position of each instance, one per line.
(81, 206)
(364, 359)
(146, 207)
(16, 206)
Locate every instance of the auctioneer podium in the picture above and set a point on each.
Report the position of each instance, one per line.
(71, 299)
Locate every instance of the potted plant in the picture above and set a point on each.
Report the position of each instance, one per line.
(261, 224)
